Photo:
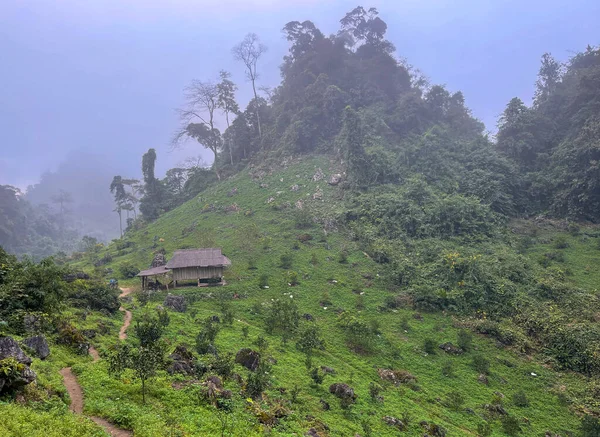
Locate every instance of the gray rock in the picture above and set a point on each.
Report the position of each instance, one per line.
(176, 303)
(248, 358)
(10, 348)
(39, 345)
(449, 348)
(335, 179)
(342, 391)
(318, 175)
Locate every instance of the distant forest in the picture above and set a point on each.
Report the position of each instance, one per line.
(348, 95)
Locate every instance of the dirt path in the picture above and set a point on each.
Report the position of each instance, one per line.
(127, 320)
(75, 391)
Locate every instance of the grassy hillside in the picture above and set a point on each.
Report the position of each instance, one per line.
(255, 219)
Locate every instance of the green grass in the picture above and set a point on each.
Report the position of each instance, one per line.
(262, 231)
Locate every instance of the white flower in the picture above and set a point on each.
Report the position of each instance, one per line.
(291, 296)
(533, 374)
(324, 308)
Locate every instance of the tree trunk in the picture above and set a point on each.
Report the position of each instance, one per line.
(215, 166)
(120, 222)
(257, 114)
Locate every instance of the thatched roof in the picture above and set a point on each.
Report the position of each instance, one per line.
(160, 270)
(198, 258)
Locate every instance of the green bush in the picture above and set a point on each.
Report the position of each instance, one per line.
(481, 364)
(561, 242)
(455, 401)
(430, 346)
(464, 340)
(511, 425)
(95, 296)
(128, 271)
(263, 280)
(520, 399)
(285, 261)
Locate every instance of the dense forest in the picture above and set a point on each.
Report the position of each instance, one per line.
(421, 228)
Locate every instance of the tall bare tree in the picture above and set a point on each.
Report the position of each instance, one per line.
(249, 52)
(227, 103)
(198, 118)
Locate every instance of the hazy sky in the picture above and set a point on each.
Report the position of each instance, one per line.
(106, 75)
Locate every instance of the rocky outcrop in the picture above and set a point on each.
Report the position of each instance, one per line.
(14, 365)
(182, 361)
(342, 391)
(449, 348)
(9, 348)
(248, 358)
(176, 303)
(335, 179)
(39, 345)
(396, 376)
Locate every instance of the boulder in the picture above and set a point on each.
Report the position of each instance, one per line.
(482, 378)
(449, 348)
(159, 260)
(307, 316)
(32, 323)
(294, 187)
(396, 376)
(335, 179)
(342, 391)
(319, 175)
(9, 348)
(176, 303)
(248, 358)
(393, 421)
(328, 370)
(183, 361)
(17, 365)
(39, 345)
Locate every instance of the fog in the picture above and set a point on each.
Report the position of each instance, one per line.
(106, 77)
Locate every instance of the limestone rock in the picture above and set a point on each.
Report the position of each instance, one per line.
(335, 179)
(10, 348)
(39, 345)
(449, 348)
(248, 358)
(176, 303)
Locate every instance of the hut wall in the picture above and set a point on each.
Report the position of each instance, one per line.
(189, 273)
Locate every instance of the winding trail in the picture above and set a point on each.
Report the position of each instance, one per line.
(127, 320)
(75, 391)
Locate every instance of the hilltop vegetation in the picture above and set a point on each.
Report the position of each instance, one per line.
(387, 276)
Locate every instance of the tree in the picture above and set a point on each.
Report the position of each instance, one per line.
(249, 52)
(367, 27)
(226, 101)
(145, 358)
(199, 118)
(548, 78)
(151, 203)
(118, 190)
(62, 199)
(143, 361)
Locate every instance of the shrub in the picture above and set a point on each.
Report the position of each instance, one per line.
(448, 369)
(282, 315)
(148, 331)
(343, 257)
(261, 343)
(375, 391)
(285, 261)
(206, 337)
(510, 425)
(317, 376)
(245, 330)
(520, 399)
(455, 400)
(484, 429)
(430, 346)
(464, 340)
(590, 426)
(223, 365)
(310, 339)
(259, 380)
(560, 242)
(251, 264)
(360, 302)
(303, 219)
(404, 325)
(481, 364)
(291, 278)
(128, 270)
(314, 260)
(263, 280)
(95, 296)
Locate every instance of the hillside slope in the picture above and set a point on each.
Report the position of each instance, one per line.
(256, 219)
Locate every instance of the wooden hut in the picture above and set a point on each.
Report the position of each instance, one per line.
(198, 265)
(154, 272)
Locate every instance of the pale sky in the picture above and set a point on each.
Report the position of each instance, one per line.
(106, 76)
